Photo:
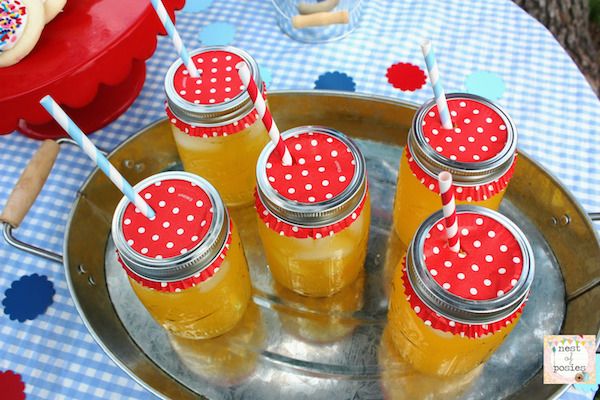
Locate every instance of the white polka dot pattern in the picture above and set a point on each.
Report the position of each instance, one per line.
(287, 229)
(219, 81)
(214, 131)
(488, 245)
(438, 322)
(323, 167)
(183, 217)
(463, 193)
(188, 282)
(479, 133)
(218, 84)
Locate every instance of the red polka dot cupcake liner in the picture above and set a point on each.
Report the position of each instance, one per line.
(436, 321)
(214, 131)
(290, 230)
(186, 283)
(464, 193)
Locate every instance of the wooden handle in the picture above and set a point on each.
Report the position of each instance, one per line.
(323, 6)
(320, 19)
(30, 184)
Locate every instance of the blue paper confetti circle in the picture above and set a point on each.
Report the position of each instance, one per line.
(192, 6)
(28, 297)
(486, 84)
(217, 34)
(335, 81)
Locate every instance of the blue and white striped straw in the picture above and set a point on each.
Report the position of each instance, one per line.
(438, 89)
(180, 48)
(88, 147)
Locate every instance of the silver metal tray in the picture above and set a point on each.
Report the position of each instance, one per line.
(287, 346)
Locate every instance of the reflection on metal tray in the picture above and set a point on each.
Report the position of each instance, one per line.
(289, 346)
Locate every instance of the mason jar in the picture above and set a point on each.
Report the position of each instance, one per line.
(450, 311)
(215, 126)
(313, 216)
(186, 265)
(479, 151)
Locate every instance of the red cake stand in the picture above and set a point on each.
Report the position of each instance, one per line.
(90, 58)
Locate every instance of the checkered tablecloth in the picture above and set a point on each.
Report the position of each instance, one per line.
(557, 114)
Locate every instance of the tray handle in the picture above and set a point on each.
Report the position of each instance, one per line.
(30, 184)
(26, 191)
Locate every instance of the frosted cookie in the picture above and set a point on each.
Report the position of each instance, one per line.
(21, 23)
(53, 7)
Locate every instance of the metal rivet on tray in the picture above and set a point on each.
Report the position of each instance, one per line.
(565, 219)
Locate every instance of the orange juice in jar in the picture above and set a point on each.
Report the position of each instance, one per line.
(450, 311)
(480, 152)
(215, 126)
(313, 216)
(186, 265)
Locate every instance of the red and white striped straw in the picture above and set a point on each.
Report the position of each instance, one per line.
(449, 209)
(263, 112)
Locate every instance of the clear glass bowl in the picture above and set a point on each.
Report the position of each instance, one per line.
(301, 11)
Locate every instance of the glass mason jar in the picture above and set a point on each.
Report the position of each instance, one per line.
(450, 311)
(480, 152)
(317, 21)
(186, 265)
(400, 380)
(313, 216)
(215, 126)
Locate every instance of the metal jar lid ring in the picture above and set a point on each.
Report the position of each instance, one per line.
(202, 249)
(465, 173)
(222, 112)
(458, 308)
(315, 146)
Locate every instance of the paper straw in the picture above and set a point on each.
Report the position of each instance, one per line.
(263, 112)
(175, 38)
(449, 209)
(436, 84)
(88, 147)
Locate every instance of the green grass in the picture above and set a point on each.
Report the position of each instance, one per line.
(595, 11)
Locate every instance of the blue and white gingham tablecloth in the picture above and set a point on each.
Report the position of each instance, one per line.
(557, 114)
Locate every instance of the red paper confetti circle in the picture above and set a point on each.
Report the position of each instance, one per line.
(491, 264)
(323, 168)
(406, 76)
(184, 214)
(11, 386)
(479, 132)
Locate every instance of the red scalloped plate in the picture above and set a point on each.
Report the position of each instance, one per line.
(90, 58)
